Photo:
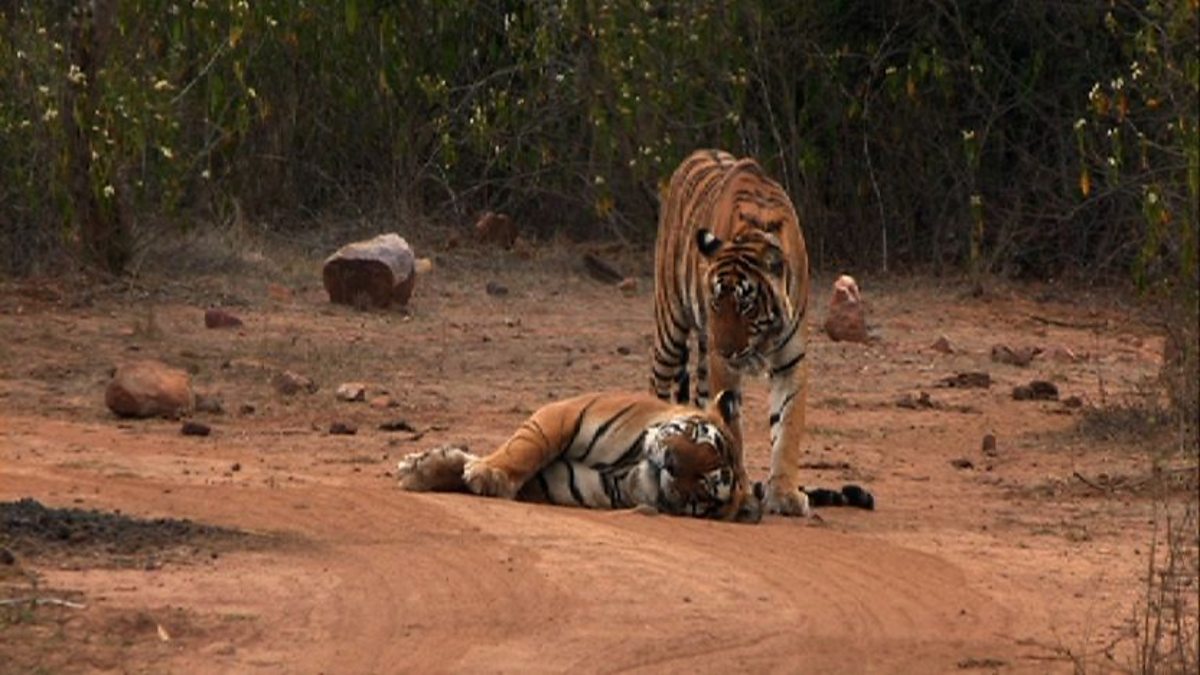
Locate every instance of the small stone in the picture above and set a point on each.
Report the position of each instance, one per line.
(246, 409)
(423, 266)
(397, 425)
(192, 428)
(624, 351)
(1037, 390)
(911, 402)
(342, 429)
(496, 288)
(989, 445)
(6, 557)
(351, 392)
(962, 463)
(219, 318)
(149, 389)
(290, 383)
(967, 380)
(237, 466)
(628, 286)
(1019, 356)
(1072, 402)
(942, 344)
(383, 402)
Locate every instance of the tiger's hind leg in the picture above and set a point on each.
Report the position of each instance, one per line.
(437, 470)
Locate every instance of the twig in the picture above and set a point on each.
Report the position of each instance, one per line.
(1089, 483)
(1068, 324)
(59, 602)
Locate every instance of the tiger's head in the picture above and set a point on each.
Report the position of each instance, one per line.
(746, 285)
(698, 464)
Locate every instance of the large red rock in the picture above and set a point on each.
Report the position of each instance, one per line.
(149, 389)
(377, 272)
(847, 320)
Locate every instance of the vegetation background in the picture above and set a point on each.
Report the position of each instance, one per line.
(1028, 138)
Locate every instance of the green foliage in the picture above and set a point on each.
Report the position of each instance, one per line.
(932, 133)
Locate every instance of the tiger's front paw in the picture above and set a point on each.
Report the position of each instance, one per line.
(488, 481)
(439, 469)
(787, 502)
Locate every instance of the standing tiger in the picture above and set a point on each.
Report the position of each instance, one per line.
(607, 451)
(731, 265)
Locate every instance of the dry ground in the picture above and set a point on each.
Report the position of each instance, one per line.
(1014, 564)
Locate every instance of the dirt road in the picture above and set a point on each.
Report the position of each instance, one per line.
(1002, 562)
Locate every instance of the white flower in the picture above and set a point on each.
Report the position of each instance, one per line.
(1094, 93)
(74, 74)
(43, 90)
(109, 191)
(976, 201)
(161, 85)
(1080, 124)
(50, 114)
(599, 180)
(206, 174)
(1152, 197)
(251, 93)
(968, 134)
(889, 70)
(166, 152)
(20, 55)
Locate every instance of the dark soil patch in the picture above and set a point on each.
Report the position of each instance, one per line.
(30, 529)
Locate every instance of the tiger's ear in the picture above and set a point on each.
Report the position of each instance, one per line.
(729, 406)
(707, 242)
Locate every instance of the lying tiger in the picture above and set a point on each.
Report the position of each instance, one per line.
(607, 451)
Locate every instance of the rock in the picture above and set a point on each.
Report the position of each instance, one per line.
(382, 402)
(1019, 356)
(989, 445)
(628, 286)
(191, 428)
(962, 463)
(351, 391)
(377, 272)
(968, 380)
(423, 266)
(290, 383)
(6, 557)
(846, 321)
(915, 402)
(342, 429)
(209, 403)
(496, 288)
(1037, 390)
(942, 344)
(1072, 402)
(397, 425)
(496, 229)
(246, 409)
(149, 389)
(624, 351)
(219, 318)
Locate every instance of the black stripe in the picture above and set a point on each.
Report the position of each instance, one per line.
(578, 425)
(542, 483)
(630, 456)
(775, 415)
(603, 429)
(787, 366)
(791, 334)
(575, 493)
